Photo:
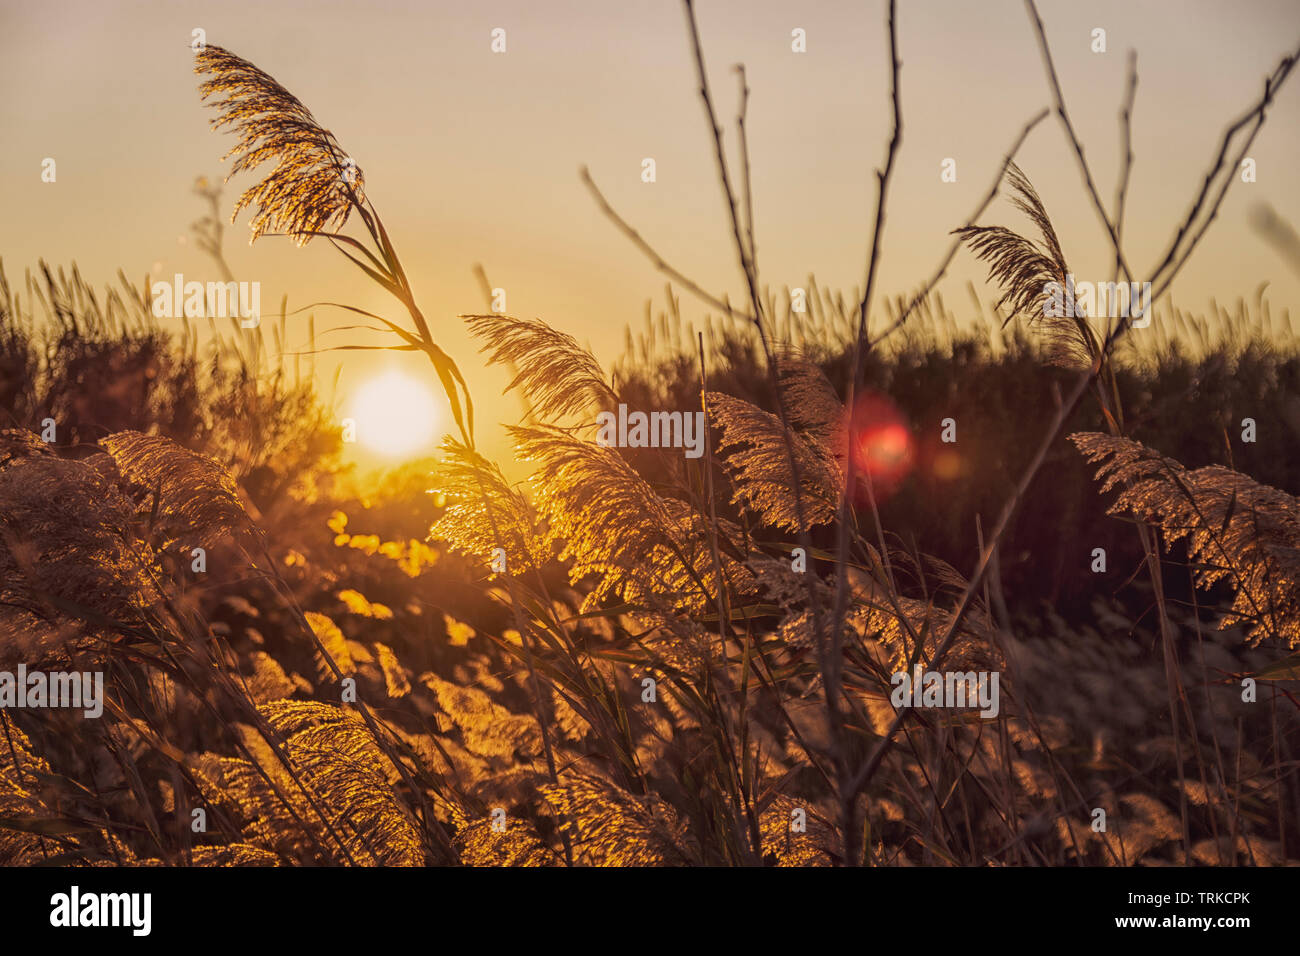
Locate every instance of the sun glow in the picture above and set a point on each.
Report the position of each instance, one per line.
(395, 415)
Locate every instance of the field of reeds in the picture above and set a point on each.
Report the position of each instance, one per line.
(638, 657)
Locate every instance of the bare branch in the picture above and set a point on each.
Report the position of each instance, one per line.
(1254, 117)
(974, 217)
(1064, 115)
(656, 260)
(834, 656)
(1126, 155)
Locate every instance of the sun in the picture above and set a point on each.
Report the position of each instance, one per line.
(395, 415)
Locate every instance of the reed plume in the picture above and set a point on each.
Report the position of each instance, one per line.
(1237, 530)
(1024, 268)
(311, 192)
(313, 186)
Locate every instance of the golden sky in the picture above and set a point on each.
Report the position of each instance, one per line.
(472, 156)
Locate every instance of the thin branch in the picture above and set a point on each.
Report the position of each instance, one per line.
(1126, 155)
(744, 166)
(834, 656)
(1064, 115)
(746, 263)
(974, 218)
(1254, 116)
(656, 260)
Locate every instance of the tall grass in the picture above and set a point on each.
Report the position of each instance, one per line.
(627, 661)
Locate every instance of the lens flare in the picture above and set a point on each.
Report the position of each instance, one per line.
(881, 443)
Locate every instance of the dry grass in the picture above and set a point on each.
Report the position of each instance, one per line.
(651, 677)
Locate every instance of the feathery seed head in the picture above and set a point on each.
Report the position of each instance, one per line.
(314, 185)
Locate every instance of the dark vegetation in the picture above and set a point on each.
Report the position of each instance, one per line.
(196, 659)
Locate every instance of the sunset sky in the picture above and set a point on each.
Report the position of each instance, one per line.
(473, 157)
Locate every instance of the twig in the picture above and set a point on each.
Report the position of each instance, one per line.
(1272, 84)
(746, 263)
(1126, 155)
(834, 657)
(744, 166)
(1064, 115)
(656, 260)
(974, 217)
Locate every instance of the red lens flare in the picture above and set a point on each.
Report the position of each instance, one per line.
(881, 444)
